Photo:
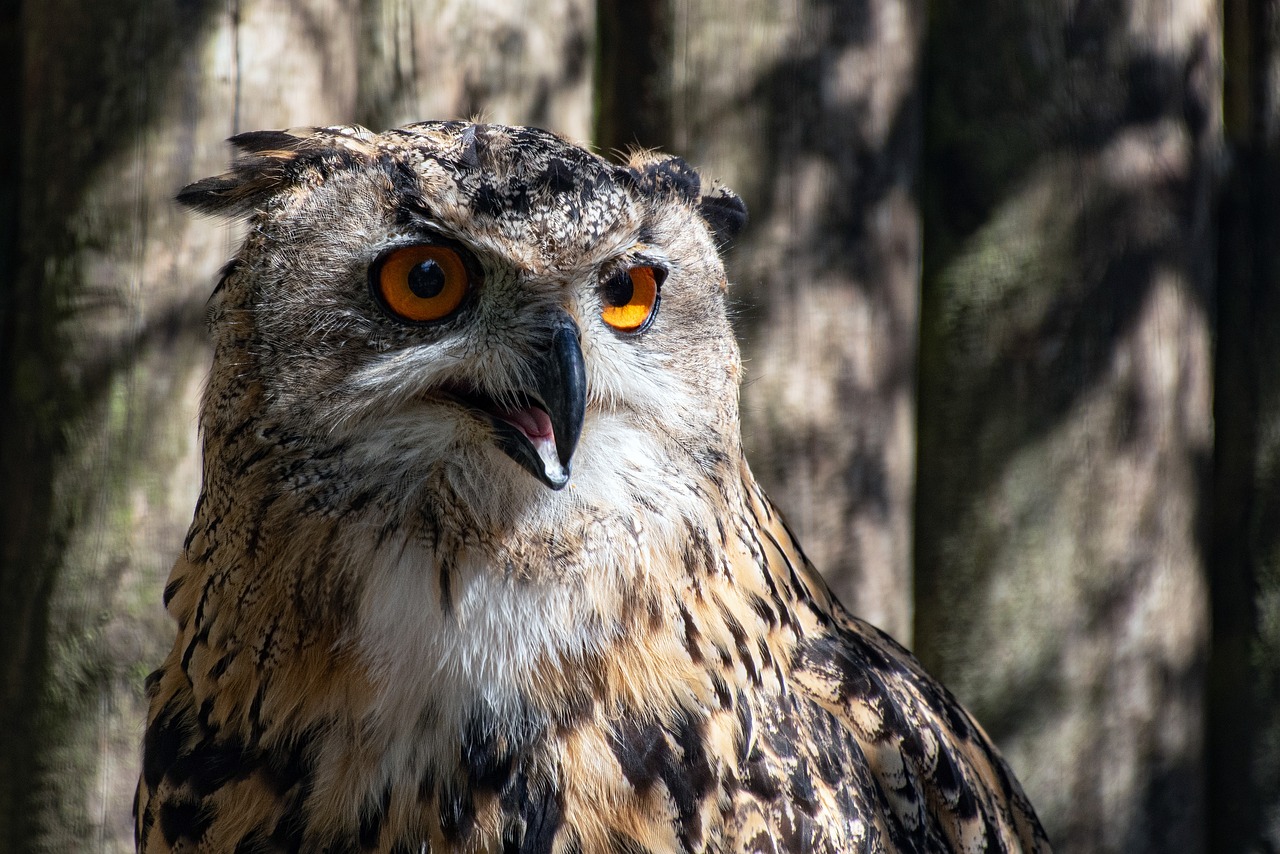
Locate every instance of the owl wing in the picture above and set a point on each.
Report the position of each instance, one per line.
(905, 761)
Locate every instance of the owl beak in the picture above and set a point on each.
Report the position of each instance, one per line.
(542, 437)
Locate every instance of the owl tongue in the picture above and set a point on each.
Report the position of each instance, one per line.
(532, 421)
(535, 424)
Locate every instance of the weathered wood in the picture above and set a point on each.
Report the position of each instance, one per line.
(1065, 401)
(810, 110)
(125, 102)
(523, 62)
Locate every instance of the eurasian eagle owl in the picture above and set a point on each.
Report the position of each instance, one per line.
(478, 563)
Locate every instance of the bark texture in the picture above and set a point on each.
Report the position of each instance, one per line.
(505, 61)
(99, 385)
(1065, 402)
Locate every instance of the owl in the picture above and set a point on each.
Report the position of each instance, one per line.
(478, 564)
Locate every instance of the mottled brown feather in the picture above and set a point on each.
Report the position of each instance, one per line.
(391, 638)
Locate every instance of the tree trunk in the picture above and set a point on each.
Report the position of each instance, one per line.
(1065, 402)
(1244, 685)
(98, 391)
(633, 75)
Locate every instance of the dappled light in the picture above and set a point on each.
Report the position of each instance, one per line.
(1007, 303)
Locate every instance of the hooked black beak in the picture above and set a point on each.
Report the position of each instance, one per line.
(560, 391)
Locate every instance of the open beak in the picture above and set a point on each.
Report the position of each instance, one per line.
(540, 431)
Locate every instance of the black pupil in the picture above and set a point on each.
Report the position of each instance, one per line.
(426, 280)
(619, 289)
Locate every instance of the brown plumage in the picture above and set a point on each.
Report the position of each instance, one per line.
(404, 625)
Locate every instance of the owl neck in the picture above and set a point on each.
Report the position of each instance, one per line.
(577, 600)
(665, 615)
(579, 606)
(410, 652)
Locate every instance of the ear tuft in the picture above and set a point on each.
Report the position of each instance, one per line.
(258, 141)
(653, 174)
(675, 177)
(724, 213)
(272, 160)
(238, 193)
(662, 175)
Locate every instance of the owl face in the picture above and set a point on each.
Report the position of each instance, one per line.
(493, 306)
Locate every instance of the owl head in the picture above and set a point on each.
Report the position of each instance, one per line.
(490, 307)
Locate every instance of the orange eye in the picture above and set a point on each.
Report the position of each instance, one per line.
(422, 283)
(631, 298)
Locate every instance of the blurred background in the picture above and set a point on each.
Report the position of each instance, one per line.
(1008, 302)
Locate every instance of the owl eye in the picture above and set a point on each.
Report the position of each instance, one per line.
(631, 298)
(422, 283)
